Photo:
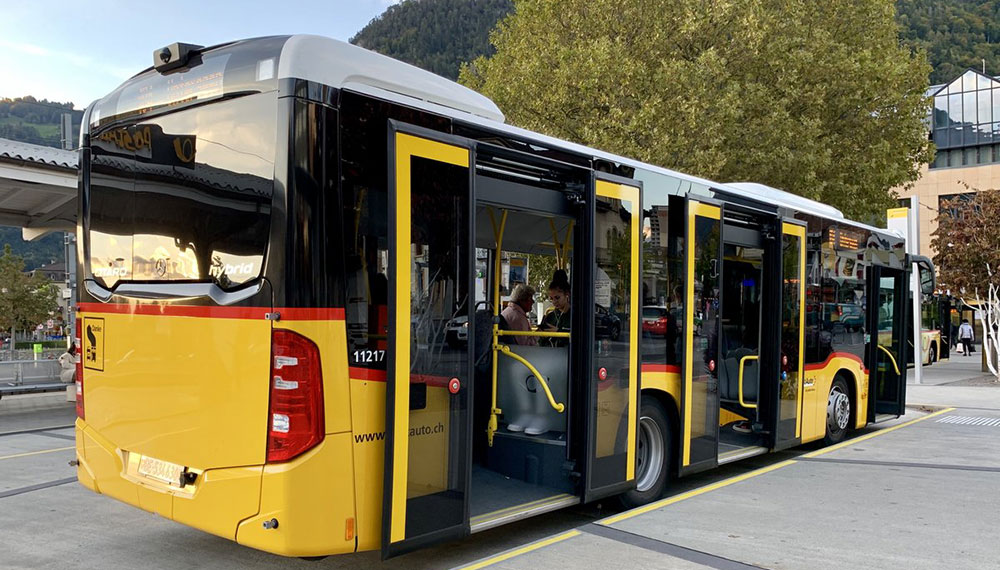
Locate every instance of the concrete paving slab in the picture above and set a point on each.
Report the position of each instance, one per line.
(828, 515)
(987, 397)
(934, 441)
(22, 472)
(28, 443)
(586, 550)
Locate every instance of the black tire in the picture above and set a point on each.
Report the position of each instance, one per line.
(932, 356)
(650, 485)
(837, 415)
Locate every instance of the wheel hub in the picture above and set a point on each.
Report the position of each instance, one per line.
(838, 409)
(649, 454)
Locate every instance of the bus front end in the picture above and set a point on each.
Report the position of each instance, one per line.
(212, 379)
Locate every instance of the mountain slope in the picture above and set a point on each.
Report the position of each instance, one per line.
(436, 35)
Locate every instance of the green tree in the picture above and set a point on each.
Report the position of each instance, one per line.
(25, 300)
(967, 242)
(818, 98)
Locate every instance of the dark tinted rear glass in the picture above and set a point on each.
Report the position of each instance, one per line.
(184, 196)
(653, 312)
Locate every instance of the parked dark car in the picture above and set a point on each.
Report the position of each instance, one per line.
(608, 325)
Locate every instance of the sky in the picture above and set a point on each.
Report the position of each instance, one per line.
(79, 51)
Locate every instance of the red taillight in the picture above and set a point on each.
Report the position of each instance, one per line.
(295, 415)
(79, 368)
(662, 320)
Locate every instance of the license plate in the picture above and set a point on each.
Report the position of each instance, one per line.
(160, 470)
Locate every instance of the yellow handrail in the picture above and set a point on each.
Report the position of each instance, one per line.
(534, 333)
(742, 364)
(891, 358)
(538, 375)
(491, 427)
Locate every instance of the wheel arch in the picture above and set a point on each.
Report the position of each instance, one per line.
(853, 382)
(671, 405)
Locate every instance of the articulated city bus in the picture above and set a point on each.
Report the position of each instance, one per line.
(297, 258)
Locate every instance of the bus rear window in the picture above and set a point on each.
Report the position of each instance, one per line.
(184, 196)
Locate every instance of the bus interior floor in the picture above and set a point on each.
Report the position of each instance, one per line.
(732, 440)
(492, 492)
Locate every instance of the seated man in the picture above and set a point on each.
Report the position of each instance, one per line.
(516, 313)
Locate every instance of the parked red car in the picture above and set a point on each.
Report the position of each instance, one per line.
(654, 320)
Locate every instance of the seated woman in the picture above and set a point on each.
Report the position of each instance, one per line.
(516, 313)
(558, 319)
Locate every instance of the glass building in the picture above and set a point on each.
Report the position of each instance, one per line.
(965, 122)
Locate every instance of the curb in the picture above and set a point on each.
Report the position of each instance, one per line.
(29, 402)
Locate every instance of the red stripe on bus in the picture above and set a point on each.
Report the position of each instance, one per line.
(825, 363)
(371, 375)
(358, 373)
(287, 313)
(661, 368)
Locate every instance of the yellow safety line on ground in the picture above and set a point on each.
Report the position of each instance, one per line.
(689, 494)
(694, 493)
(519, 551)
(36, 452)
(844, 444)
(761, 471)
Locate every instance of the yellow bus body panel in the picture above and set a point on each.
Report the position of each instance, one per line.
(189, 390)
(159, 395)
(312, 498)
(816, 395)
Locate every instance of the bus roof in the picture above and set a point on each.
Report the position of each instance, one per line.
(345, 66)
(342, 65)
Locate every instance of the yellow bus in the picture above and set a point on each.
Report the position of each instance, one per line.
(281, 239)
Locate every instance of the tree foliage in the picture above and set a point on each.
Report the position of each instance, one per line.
(436, 35)
(956, 34)
(967, 242)
(817, 98)
(25, 300)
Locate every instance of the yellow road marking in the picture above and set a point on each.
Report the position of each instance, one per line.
(694, 493)
(726, 482)
(36, 452)
(519, 551)
(884, 431)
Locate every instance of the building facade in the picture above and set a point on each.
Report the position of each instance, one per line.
(964, 124)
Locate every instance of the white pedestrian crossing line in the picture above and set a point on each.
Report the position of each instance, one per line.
(970, 421)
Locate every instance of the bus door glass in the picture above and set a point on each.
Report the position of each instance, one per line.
(425, 494)
(943, 305)
(793, 272)
(699, 391)
(614, 380)
(887, 356)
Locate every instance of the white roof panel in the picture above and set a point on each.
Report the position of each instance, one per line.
(339, 64)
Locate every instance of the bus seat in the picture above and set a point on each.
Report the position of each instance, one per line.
(522, 399)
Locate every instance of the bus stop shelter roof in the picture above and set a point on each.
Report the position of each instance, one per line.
(38, 188)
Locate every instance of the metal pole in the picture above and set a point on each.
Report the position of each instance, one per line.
(913, 246)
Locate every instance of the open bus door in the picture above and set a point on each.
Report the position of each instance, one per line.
(793, 315)
(614, 376)
(888, 298)
(428, 420)
(699, 383)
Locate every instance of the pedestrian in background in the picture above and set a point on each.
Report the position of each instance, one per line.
(67, 364)
(966, 334)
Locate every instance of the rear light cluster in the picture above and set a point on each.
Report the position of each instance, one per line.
(295, 415)
(77, 348)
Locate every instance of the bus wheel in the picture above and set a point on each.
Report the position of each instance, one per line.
(932, 357)
(838, 412)
(652, 455)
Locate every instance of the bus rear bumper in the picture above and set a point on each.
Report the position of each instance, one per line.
(312, 496)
